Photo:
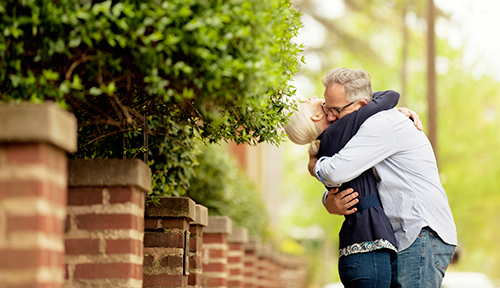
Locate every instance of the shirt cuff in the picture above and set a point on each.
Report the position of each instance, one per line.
(317, 170)
(320, 175)
(323, 199)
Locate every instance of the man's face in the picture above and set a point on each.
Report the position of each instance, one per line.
(335, 98)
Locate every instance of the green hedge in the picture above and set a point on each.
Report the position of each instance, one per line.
(224, 189)
(204, 69)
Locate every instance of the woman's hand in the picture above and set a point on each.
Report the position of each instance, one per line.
(413, 115)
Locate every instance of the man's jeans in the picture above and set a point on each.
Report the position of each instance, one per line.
(423, 263)
(366, 270)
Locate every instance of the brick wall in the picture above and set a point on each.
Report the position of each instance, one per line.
(251, 262)
(105, 224)
(34, 140)
(215, 250)
(196, 247)
(235, 257)
(166, 242)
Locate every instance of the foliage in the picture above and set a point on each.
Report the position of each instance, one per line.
(225, 190)
(207, 69)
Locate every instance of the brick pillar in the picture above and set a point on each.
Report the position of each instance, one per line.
(215, 251)
(166, 242)
(34, 140)
(263, 265)
(235, 256)
(250, 262)
(105, 222)
(195, 248)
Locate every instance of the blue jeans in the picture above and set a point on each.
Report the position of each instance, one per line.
(423, 263)
(370, 270)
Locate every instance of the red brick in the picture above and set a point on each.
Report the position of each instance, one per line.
(125, 195)
(234, 283)
(151, 223)
(234, 259)
(214, 267)
(164, 280)
(42, 223)
(175, 223)
(194, 279)
(195, 262)
(217, 253)
(27, 153)
(123, 246)
(158, 239)
(235, 271)
(82, 246)
(84, 196)
(235, 247)
(172, 261)
(108, 221)
(108, 270)
(214, 238)
(216, 282)
(37, 153)
(46, 190)
(12, 259)
(148, 260)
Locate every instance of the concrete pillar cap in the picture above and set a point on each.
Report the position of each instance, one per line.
(219, 225)
(239, 235)
(47, 122)
(201, 217)
(109, 173)
(171, 207)
(253, 243)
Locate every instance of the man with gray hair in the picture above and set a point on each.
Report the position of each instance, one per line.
(409, 189)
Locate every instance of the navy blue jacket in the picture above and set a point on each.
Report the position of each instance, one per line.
(367, 224)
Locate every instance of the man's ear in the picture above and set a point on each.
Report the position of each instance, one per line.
(317, 117)
(362, 103)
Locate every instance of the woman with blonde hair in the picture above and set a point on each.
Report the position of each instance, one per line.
(366, 236)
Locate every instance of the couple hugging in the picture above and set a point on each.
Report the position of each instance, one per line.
(380, 171)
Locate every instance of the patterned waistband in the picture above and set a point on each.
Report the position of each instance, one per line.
(368, 246)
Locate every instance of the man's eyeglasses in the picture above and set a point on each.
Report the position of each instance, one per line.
(335, 111)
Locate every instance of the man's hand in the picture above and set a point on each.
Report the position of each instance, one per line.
(340, 203)
(413, 115)
(312, 162)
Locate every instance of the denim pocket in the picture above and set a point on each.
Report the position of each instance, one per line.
(350, 262)
(443, 253)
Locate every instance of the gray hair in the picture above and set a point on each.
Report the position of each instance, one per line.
(356, 81)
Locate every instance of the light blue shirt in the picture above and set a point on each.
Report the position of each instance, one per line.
(410, 189)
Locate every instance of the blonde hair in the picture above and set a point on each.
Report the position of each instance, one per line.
(356, 82)
(302, 130)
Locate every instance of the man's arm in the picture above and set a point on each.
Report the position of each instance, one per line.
(375, 141)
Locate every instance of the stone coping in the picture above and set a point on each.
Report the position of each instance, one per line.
(109, 173)
(253, 243)
(171, 207)
(47, 123)
(201, 217)
(219, 225)
(239, 235)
